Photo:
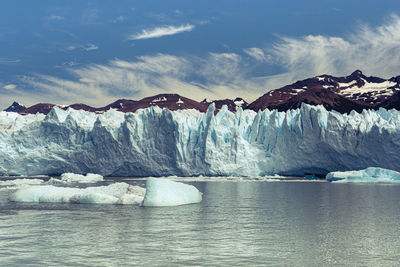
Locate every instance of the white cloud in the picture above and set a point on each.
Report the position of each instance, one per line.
(6, 61)
(71, 48)
(119, 19)
(10, 86)
(217, 76)
(55, 17)
(376, 51)
(90, 47)
(257, 53)
(161, 31)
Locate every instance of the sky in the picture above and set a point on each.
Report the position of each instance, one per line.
(96, 52)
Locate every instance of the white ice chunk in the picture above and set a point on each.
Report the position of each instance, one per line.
(68, 178)
(118, 193)
(163, 192)
(23, 181)
(370, 174)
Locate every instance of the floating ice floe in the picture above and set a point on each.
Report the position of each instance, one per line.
(163, 192)
(158, 192)
(118, 193)
(370, 174)
(68, 178)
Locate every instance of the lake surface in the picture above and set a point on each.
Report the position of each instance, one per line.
(238, 223)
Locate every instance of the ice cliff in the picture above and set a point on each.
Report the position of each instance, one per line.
(160, 142)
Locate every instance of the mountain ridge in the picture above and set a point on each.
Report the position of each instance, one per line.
(343, 94)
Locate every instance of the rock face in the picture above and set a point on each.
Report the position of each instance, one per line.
(343, 94)
(232, 104)
(15, 107)
(161, 142)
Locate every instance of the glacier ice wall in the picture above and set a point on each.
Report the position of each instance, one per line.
(160, 142)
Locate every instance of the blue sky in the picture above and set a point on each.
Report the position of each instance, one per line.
(98, 51)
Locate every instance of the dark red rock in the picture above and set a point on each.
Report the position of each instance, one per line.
(38, 108)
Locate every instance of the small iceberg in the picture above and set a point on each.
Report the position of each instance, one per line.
(158, 192)
(371, 174)
(69, 178)
(163, 192)
(118, 193)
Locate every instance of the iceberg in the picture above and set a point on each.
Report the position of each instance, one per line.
(68, 178)
(118, 193)
(160, 142)
(371, 174)
(158, 192)
(163, 192)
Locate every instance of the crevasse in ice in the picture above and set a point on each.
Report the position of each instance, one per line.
(160, 142)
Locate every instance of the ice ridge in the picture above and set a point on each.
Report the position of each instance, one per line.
(160, 142)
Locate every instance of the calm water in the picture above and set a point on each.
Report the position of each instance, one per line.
(238, 223)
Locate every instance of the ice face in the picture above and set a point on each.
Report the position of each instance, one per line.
(163, 192)
(68, 178)
(160, 142)
(118, 193)
(370, 174)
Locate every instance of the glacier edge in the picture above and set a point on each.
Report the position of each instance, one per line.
(160, 142)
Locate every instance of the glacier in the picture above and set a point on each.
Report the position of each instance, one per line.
(160, 142)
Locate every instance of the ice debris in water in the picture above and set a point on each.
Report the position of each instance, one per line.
(158, 192)
(371, 174)
(68, 178)
(18, 183)
(163, 192)
(22, 181)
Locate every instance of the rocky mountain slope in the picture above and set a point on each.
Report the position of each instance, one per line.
(343, 94)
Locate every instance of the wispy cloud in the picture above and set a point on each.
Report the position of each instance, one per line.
(376, 51)
(90, 47)
(7, 61)
(219, 75)
(257, 53)
(161, 31)
(55, 17)
(119, 19)
(90, 16)
(10, 86)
